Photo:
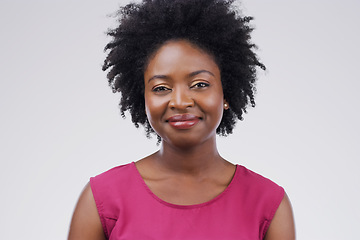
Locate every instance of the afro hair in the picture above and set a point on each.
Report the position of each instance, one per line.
(216, 26)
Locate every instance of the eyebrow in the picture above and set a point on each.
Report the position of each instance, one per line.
(192, 74)
(200, 71)
(158, 76)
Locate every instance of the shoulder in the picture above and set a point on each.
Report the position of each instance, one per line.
(112, 178)
(255, 188)
(115, 172)
(85, 223)
(92, 218)
(282, 226)
(112, 184)
(265, 198)
(255, 183)
(110, 187)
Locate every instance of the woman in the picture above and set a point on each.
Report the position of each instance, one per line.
(186, 70)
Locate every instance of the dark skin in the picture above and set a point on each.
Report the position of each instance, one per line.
(182, 80)
(188, 168)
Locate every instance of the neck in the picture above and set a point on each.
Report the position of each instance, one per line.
(191, 160)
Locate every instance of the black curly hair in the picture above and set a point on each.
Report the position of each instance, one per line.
(213, 25)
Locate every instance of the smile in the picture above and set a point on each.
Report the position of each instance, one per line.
(183, 121)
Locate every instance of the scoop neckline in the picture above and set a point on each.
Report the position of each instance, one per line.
(153, 195)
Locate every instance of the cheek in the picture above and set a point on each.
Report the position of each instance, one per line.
(214, 102)
(154, 108)
(213, 105)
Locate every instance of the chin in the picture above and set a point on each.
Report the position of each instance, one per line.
(186, 141)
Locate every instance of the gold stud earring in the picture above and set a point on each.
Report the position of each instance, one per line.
(226, 106)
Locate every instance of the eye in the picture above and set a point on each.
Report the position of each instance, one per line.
(200, 85)
(160, 89)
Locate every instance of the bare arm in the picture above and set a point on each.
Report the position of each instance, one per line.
(85, 223)
(282, 226)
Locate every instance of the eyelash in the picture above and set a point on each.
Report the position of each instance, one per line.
(160, 89)
(203, 85)
(198, 85)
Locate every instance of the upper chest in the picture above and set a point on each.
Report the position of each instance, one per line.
(186, 191)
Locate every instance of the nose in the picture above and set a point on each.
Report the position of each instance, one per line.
(181, 99)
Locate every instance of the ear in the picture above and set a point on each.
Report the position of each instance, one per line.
(226, 105)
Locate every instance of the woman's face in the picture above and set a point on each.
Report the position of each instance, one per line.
(183, 94)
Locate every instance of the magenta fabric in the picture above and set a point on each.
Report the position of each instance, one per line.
(129, 210)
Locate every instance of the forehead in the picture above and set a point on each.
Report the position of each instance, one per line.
(181, 55)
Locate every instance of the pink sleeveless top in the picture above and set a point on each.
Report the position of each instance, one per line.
(129, 210)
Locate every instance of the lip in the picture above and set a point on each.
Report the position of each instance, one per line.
(183, 121)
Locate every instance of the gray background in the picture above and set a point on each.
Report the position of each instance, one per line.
(60, 122)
